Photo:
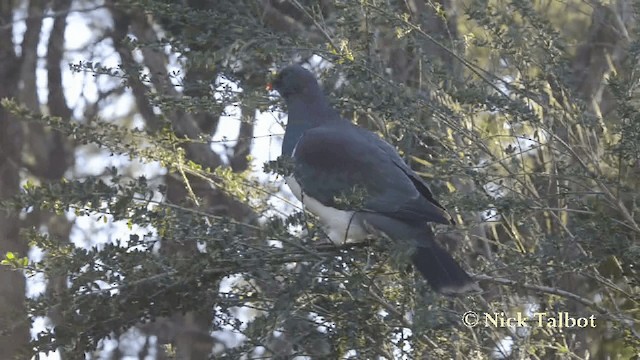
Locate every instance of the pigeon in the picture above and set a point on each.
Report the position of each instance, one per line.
(334, 159)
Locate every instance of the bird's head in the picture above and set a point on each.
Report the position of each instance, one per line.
(294, 79)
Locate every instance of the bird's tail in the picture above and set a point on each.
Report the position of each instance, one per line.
(441, 271)
(432, 261)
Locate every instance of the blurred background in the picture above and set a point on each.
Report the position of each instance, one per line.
(143, 213)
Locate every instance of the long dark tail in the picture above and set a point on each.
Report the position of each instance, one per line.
(432, 261)
(441, 271)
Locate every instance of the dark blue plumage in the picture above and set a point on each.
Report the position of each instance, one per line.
(333, 158)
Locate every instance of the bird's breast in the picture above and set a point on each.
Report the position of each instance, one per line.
(340, 225)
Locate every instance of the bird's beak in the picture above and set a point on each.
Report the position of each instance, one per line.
(272, 79)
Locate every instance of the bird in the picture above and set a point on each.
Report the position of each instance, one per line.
(332, 157)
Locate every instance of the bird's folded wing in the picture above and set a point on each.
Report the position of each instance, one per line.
(336, 161)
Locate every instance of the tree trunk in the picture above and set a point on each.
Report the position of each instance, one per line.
(13, 319)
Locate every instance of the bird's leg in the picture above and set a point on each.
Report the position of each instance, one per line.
(346, 231)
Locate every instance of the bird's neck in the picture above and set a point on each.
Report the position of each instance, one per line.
(311, 106)
(306, 111)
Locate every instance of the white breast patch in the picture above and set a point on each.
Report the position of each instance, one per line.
(340, 225)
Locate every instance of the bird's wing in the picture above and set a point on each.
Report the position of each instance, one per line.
(337, 160)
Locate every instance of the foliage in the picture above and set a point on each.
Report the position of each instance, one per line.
(538, 162)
